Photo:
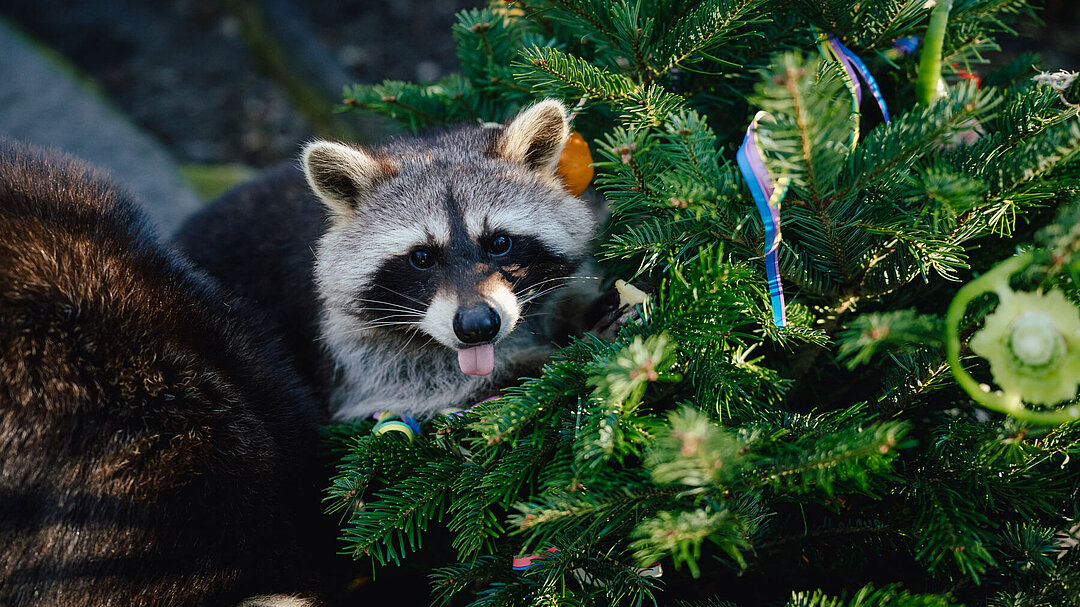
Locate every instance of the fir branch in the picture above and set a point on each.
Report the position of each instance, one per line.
(520, 405)
(1029, 157)
(553, 71)
(838, 16)
(844, 533)
(659, 240)
(820, 463)
(453, 579)
(472, 522)
(957, 531)
(695, 452)
(706, 25)
(589, 13)
(896, 331)
(515, 470)
(810, 123)
(630, 32)
(562, 514)
(891, 149)
(680, 536)
(890, 596)
(419, 106)
(901, 22)
(683, 132)
(652, 106)
(987, 9)
(905, 254)
(843, 263)
(481, 29)
(919, 379)
(795, 78)
(369, 457)
(392, 524)
(611, 428)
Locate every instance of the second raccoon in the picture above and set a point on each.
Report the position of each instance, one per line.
(433, 278)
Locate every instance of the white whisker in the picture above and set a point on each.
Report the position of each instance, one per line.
(396, 313)
(410, 298)
(385, 303)
(380, 325)
(540, 293)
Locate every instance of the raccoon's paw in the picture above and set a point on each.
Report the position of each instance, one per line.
(617, 309)
(277, 600)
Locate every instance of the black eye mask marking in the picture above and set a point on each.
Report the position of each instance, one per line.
(401, 289)
(400, 292)
(529, 264)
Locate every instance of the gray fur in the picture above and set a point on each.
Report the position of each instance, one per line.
(393, 347)
(513, 189)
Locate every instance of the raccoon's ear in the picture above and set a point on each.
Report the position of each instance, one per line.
(536, 136)
(339, 174)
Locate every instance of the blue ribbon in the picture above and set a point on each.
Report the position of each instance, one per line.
(855, 64)
(767, 196)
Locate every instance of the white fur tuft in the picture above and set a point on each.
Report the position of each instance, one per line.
(439, 319)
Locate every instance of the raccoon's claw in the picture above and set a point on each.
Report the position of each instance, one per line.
(478, 360)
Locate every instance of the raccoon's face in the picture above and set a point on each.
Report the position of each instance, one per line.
(453, 238)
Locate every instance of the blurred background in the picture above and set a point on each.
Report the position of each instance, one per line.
(180, 99)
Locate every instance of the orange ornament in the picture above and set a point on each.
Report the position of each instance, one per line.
(575, 164)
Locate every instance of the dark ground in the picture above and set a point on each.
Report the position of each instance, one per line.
(184, 70)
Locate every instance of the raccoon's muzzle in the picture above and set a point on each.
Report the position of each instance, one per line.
(477, 324)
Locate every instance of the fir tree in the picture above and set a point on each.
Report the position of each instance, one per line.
(831, 461)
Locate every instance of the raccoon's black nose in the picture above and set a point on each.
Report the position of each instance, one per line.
(476, 324)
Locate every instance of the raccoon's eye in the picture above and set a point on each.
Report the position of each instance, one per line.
(499, 246)
(421, 259)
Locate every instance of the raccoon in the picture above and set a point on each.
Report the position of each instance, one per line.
(156, 442)
(437, 272)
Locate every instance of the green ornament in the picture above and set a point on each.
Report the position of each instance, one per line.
(1032, 342)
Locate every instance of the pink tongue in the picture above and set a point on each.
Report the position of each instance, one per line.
(479, 360)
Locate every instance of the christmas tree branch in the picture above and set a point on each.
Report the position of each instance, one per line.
(822, 461)
(908, 137)
(589, 17)
(633, 34)
(828, 533)
(706, 28)
(798, 113)
(906, 13)
(399, 514)
(547, 66)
